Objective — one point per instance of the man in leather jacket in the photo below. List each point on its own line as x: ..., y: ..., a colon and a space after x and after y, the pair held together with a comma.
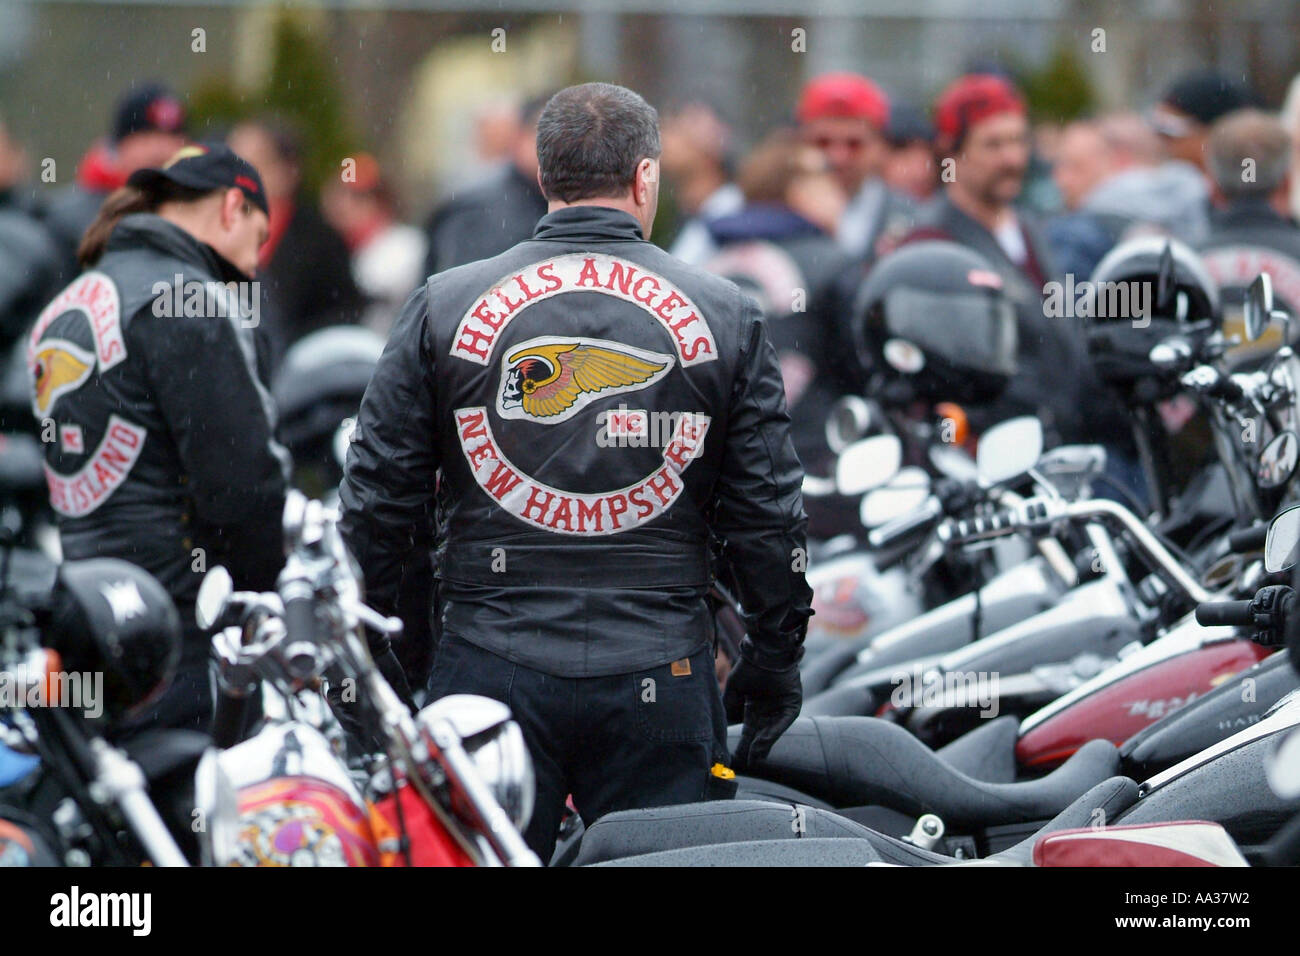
x: 1251, y: 230
x: 489, y: 217
x: 159, y: 446
x: 598, y: 413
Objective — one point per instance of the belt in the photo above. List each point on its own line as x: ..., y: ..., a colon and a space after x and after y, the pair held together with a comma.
x: 501, y: 563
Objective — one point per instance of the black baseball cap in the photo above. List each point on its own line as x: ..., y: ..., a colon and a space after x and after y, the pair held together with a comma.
x: 1205, y: 95
x: 149, y: 107
x: 207, y: 166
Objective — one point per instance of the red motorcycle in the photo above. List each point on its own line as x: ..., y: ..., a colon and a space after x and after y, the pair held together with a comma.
x: 451, y: 785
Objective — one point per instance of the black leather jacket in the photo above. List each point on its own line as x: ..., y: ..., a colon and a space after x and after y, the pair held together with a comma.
x: 161, y: 430
x: 575, y: 538
x: 1249, y: 237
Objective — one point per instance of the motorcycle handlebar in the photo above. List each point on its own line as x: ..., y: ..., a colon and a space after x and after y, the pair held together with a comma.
x: 981, y: 527
x: 892, y: 531
x: 1247, y: 540
x: 1039, y: 513
x: 1225, y: 614
x: 300, y: 618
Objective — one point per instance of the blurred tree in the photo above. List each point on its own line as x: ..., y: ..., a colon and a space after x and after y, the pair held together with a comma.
x: 215, y: 106
x: 301, y: 84
x: 1059, y: 90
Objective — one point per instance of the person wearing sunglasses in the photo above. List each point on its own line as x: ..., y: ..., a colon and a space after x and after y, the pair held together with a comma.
x: 845, y: 117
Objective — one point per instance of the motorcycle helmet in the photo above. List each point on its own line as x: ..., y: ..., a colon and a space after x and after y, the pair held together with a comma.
x: 318, y: 385
x: 1144, y: 291
x: 109, y: 616
x: 932, y: 322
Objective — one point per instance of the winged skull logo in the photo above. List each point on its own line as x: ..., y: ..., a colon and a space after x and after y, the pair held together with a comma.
x: 551, y: 379
x: 60, y: 367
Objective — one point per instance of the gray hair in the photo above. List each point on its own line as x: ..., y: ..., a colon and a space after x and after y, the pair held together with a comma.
x: 590, y: 139
x: 1252, y: 135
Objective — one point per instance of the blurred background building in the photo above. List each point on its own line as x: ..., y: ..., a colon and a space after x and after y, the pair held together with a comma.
x: 428, y: 85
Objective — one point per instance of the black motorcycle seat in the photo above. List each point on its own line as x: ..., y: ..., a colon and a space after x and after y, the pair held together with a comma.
x: 1102, y: 803
x: 818, y: 852
x: 633, y: 832
x: 723, y: 833
x: 858, y: 761
x: 986, y: 753
x: 756, y: 788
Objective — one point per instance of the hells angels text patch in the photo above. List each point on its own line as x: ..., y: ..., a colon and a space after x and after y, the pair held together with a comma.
x: 566, y: 512
x: 481, y: 326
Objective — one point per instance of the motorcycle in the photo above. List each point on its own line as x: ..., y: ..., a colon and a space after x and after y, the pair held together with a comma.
x: 75, y: 792
x: 375, y: 784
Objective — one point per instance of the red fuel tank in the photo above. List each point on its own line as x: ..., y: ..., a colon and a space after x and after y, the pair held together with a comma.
x: 1119, y: 710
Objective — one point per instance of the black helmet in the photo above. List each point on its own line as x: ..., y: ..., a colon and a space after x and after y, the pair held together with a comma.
x: 109, y: 616
x: 320, y: 383
x: 1144, y: 291
x: 932, y: 322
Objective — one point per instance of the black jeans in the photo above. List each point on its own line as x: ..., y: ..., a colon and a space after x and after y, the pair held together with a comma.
x: 624, y: 742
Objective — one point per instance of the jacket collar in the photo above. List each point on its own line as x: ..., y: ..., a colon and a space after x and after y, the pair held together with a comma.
x: 1248, y: 212
x: 589, y: 222
x: 146, y: 231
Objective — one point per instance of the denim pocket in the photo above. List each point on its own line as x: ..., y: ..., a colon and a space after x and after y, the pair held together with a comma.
x: 672, y: 701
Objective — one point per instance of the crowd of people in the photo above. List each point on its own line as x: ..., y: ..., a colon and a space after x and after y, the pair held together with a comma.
x: 803, y: 222
x: 799, y: 219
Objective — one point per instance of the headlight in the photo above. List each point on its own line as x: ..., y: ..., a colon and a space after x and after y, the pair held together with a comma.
x: 495, y: 745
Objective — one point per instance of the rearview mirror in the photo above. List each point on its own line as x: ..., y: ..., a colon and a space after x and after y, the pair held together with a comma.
x: 1258, y: 308
x: 904, y: 494
x: 1277, y: 461
x: 848, y: 420
x: 1283, y: 536
x: 868, y: 464
x: 214, y: 592
x: 1008, y: 450
x: 953, y: 461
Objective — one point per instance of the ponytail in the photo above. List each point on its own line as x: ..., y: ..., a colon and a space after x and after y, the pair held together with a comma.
x: 123, y: 202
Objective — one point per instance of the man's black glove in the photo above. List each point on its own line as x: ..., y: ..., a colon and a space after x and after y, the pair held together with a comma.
x: 767, y: 701
x: 348, y: 711
x: 388, y: 664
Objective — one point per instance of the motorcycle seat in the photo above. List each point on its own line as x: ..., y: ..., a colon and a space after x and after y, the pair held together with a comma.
x: 859, y: 761
x: 816, y: 852
x: 751, y: 833
x: 986, y: 753
x: 756, y: 788
x: 633, y: 832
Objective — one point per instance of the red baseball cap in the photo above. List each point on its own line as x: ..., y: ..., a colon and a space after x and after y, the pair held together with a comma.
x: 849, y: 95
x: 970, y: 99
